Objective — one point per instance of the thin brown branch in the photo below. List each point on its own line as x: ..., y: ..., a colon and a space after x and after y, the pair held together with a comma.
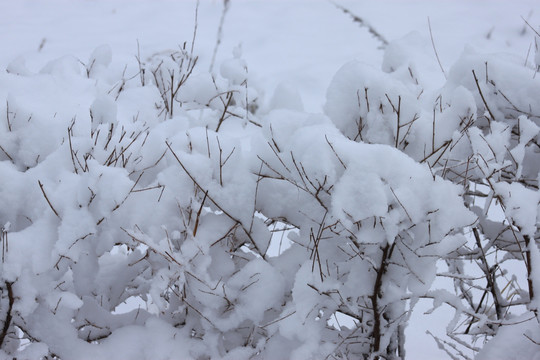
x: 5, y: 152
x: 488, y: 274
x: 222, y: 118
x: 530, y: 26
x: 7, y: 116
x: 335, y: 153
x: 435, y: 49
x: 246, y: 231
x: 482, y: 96
x: 48, y: 201
x: 196, y: 227
x: 399, y: 202
x: 9, y: 316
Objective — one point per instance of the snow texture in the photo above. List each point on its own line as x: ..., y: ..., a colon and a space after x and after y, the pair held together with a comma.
x: 145, y: 199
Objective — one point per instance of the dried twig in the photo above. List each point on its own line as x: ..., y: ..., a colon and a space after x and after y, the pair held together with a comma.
x: 483, y: 98
x: 7, y: 116
x: 435, y: 49
x: 5, y: 152
x: 530, y: 26
x: 196, y: 227
x: 219, y: 33
x: 363, y: 23
x: 246, y: 231
x: 9, y: 316
x: 48, y: 201
x: 335, y: 153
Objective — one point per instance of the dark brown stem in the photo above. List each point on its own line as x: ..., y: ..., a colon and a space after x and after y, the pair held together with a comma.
x: 482, y: 96
x: 5, y: 152
x: 199, y: 214
x: 48, y: 201
x: 7, y: 116
x: 7, y: 321
x: 226, y: 106
x: 377, y: 293
x: 71, y: 149
x: 529, y: 266
x: 398, y: 126
x: 489, y: 275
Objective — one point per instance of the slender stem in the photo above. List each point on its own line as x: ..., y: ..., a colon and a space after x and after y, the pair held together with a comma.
x: 529, y: 266
x: 489, y: 275
x: 7, y: 321
x: 377, y: 293
x: 482, y: 96
x: 48, y: 201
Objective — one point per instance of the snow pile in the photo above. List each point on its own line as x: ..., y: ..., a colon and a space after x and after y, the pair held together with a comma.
x: 166, y: 187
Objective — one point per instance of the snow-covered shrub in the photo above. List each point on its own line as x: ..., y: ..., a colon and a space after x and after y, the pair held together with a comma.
x: 153, y: 214
x: 480, y: 130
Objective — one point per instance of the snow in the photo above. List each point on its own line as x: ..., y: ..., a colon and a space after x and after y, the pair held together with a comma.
x: 521, y: 205
x: 517, y: 339
x: 297, y: 121
x: 369, y: 192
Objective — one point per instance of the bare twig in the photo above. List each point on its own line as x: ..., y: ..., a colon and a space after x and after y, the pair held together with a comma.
x: 48, y: 201
x: 246, y: 231
x: 195, y: 25
x: 5, y: 152
x: 4, y: 240
x: 531, y: 339
x: 196, y: 227
x: 335, y: 153
x: 488, y: 275
x: 219, y: 33
x: 140, y: 63
x: 279, y: 319
x: 9, y: 317
x: 7, y: 116
x: 363, y: 23
x: 72, y: 152
x: 482, y: 96
x: 223, y: 117
x: 530, y: 26
x: 399, y: 202
x: 435, y: 49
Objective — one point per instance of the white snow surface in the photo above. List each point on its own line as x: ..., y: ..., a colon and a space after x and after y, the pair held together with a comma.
x: 69, y: 74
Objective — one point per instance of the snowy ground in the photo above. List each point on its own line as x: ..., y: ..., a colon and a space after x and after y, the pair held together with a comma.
x: 299, y: 43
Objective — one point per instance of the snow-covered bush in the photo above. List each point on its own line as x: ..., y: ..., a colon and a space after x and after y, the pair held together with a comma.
x: 237, y: 234
x: 480, y: 131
